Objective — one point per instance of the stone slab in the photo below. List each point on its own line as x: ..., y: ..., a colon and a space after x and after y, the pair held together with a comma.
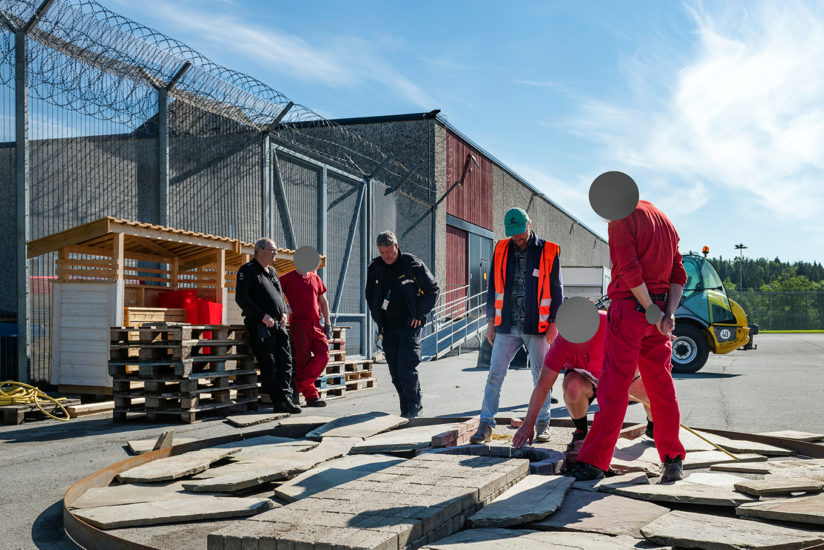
x: 246, y: 420
x: 802, y: 509
x: 692, y: 442
x: 263, y: 469
x: 183, y: 508
x: 175, y: 467
x: 682, y: 492
x: 743, y: 446
x: 533, y: 498
x: 402, y: 439
x: 128, y: 493
x: 358, y: 425
x: 523, y: 539
x: 705, y: 459
x: 333, y: 473
x: 268, y: 446
x: 715, y: 479
x: 760, y: 467
x: 691, y: 530
x: 142, y: 446
x: 773, y: 485
x: 608, y: 484
x: 635, y: 456
x: 603, y: 513
x: 428, y: 498
x: 795, y: 435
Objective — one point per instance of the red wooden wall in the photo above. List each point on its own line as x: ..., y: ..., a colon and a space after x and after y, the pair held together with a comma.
x: 457, y: 246
x: 472, y: 201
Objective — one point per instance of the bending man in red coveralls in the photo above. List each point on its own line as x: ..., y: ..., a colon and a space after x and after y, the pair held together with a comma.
x: 583, y: 363
x: 647, y: 281
x: 305, y: 293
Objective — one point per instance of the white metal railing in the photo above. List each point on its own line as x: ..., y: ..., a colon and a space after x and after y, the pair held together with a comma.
x: 454, y: 320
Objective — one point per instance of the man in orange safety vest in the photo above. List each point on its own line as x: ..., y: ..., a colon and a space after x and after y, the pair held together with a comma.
x: 525, y: 292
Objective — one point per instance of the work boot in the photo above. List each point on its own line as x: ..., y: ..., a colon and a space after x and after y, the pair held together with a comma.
x: 286, y: 406
x: 577, y: 435
x: 585, y: 472
x: 541, y: 432
x: 672, y: 470
x: 316, y: 402
x: 483, y: 434
x: 649, y: 432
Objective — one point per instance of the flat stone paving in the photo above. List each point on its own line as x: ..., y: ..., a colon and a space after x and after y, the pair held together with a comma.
x: 802, y: 510
x: 522, y: 539
x: 691, y: 530
x: 531, y: 499
x: 598, y: 512
x: 183, y: 507
x: 333, y: 473
x: 416, y: 502
x: 175, y: 467
x: 682, y: 492
x: 401, y: 439
x: 358, y: 425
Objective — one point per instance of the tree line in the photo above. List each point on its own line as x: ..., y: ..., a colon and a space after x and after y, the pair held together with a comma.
x: 766, y: 275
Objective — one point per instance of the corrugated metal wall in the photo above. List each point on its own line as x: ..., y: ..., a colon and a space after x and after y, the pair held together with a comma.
x: 471, y: 201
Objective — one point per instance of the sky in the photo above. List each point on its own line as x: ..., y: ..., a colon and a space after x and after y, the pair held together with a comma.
x: 715, y: 109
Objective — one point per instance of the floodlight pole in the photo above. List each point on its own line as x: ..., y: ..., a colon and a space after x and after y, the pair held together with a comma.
x: 741, y: 248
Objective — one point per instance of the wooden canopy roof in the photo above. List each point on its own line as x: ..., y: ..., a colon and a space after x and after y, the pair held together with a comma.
x: 155, y: 243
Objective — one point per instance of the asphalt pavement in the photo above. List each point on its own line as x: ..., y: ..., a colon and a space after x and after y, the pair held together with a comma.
x: 778, y: 386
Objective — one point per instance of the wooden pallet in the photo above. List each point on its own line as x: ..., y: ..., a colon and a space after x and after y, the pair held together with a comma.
x: 174, y: 333
x: 204, y: 365
x: 334, y: 367
x: 166, y: 351
x: 358, y: 365
x: 362, y: 384
x: 190, y: 415
x: 16, y: 414
x: 332, y: 392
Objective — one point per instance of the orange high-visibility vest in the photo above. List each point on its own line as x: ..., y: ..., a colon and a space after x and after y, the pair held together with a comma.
x: 544, y: 295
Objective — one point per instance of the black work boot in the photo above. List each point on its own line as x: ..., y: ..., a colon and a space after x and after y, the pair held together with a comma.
x: 577, y: 435
x: 649, y: 431
x: 673, y: 470
x: 483, y: 434
x: 585, y: 472
x: 286, y: 406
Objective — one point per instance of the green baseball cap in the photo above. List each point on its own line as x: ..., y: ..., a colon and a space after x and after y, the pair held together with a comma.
x: 515, y: 221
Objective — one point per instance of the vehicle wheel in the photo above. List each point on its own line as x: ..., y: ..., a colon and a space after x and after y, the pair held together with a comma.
x: 689, y: 350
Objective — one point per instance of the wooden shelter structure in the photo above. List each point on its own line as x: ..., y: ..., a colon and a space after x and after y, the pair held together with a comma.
x: 109, y: 271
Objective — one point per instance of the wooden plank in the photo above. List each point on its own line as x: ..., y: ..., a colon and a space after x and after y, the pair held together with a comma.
x: 90, y: 408
x: 89, y: 390
x: 70, y: 262
x: 100, y: 274
x: 117, y: 255
x: 68, y: 237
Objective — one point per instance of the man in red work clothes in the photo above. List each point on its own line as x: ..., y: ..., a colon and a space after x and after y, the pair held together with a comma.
x: 583, y: 362
x: 305, y: 292
x: 647, y: 281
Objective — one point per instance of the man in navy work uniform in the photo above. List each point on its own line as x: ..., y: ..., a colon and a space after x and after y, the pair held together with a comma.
x: 260, y: 296
x: 401, y: 291
x: 525, y: 292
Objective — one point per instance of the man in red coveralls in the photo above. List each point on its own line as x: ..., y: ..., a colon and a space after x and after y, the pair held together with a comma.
x: 583, y: 363
x: 647, y: 281
x: 305, y: 292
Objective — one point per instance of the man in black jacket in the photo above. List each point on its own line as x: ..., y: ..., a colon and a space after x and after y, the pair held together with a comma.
x: 401, y: 291
x: 260, y: 296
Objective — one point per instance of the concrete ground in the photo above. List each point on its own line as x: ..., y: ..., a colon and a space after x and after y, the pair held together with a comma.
x: 775, y: 387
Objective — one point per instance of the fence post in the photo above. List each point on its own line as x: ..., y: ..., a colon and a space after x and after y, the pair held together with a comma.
x: 21, y: 127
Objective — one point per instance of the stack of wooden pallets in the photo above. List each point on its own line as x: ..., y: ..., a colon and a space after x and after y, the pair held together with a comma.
x: 181, y: 371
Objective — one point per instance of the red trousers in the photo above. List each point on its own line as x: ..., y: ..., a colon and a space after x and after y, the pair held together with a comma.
x: 631, y: 341
x: 311, y: 356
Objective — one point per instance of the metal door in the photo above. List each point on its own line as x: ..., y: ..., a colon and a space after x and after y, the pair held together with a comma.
x: 480, y: 256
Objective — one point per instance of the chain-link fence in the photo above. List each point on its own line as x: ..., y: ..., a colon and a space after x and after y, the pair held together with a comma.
x: 782, y: 310
x: 123, y: 121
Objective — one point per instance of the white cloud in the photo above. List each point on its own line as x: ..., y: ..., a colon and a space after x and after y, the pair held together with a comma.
x: 349, y: 62
x: 744, y: 114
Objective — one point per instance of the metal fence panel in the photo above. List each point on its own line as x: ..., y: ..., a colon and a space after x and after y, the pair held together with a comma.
x: 782, y: 310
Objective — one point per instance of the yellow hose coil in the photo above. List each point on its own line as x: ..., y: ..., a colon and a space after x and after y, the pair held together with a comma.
x: 18, y: 393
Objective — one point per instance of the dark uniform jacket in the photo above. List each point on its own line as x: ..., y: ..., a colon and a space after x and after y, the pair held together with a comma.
x: 420, y: 295
x: 258, y: 292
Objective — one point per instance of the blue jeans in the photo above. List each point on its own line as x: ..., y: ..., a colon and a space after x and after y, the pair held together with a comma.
x: 503, y: 351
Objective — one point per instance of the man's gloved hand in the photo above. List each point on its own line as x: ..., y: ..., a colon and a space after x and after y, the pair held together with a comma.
x: 327, y: 330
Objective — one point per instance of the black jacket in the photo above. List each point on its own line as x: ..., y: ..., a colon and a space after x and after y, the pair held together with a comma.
x: 258, y: 292
x: 420, y: 296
